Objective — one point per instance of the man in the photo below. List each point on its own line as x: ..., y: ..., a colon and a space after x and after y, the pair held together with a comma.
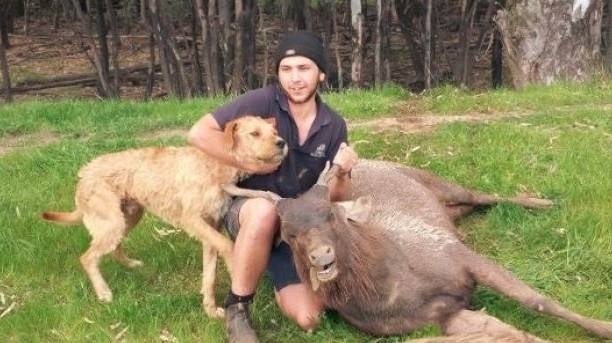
x: 315, y: 134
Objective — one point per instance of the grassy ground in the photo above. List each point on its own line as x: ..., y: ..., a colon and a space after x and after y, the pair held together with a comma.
x: 562, y: 150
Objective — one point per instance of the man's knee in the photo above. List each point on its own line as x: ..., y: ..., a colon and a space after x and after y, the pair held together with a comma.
x: 258, y: 218
x: 308, y: 320
x: 299, y: 304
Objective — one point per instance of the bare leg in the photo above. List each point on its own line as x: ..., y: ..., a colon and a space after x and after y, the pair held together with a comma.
x: 258, y: 225
x: 299, y: 303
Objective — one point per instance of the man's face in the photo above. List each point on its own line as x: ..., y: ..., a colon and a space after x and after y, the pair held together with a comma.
x: 299, y: 77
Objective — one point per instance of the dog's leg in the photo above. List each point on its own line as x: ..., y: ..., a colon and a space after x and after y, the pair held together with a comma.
x: 132, y: 212
x: 235, y: 191
x: 204, y: 232
x: 106, y: 224
x: 209, y: 274
x: 122, y: 258
x: 100, y: 246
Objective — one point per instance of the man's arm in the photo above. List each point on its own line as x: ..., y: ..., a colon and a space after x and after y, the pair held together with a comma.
x: 206, y: 134
x: 340, y: 184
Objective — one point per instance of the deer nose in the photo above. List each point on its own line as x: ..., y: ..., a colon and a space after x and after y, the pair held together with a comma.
x: 322, y: 255
x: 280, y: 143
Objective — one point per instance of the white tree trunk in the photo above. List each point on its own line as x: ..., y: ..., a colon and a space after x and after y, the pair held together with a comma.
x: 357, y: 23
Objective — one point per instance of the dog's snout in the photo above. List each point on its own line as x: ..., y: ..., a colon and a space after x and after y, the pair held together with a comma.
x: 280, y: 143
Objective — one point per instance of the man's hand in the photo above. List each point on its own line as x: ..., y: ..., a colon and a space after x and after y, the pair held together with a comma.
x: 345, y: 158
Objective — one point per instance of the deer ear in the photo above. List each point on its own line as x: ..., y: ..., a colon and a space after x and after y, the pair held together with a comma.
x: 282, y: 206
x: 229, y: 133
x: 271, y: 120
x: 360, y: 211
x: 317, y: 192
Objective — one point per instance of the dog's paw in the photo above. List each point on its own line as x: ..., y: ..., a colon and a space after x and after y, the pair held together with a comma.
x: 273, y: 196
x: 134, y: 263
x: 105, y: 295
x: 215, y: 312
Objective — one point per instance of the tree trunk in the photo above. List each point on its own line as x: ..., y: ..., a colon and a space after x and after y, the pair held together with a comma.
x: 410, y: 15
x: 102, y: 34
x: 116, y: 45
x: 207, y: 60
x: 284, y: 14
x: 427, y: 45
x: 542, y: 45
x: 6, y: 79
x: 250, y: 38
x: 241, y: 28
x: 151, y: 70
x: 337, y: 46
x: 357, y: 39
x: 99, y: 63
x: 264, y: 33
x: 609, y: 38
x: 5, y: 16
x: 194, y: 52
x: 226, y: 40
x: 216, y: 62
x: 381, y: 51
x: 26, y: 17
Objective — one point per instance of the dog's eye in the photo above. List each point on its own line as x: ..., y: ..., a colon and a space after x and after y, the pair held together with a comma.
x: 255, y: 133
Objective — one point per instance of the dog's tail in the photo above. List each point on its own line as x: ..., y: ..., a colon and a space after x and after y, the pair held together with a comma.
x: 67, y: 218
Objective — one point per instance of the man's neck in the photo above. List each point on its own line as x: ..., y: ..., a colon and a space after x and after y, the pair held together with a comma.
x: 303, y: 111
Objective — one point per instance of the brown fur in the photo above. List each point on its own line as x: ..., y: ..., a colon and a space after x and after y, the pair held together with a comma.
x: 406, y: 244
x: 181, y: 185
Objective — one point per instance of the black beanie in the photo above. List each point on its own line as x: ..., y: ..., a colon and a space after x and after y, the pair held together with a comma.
x: 302, y: 43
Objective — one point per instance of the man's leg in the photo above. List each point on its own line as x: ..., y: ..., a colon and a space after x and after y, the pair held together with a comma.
x: 299, y: 303
x: 258, y: 226
x: 253, y: 223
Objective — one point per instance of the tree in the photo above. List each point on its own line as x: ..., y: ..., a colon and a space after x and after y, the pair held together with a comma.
x: 6, y: 79
x: 542, y: 44
x: 382, y: 66
x: 357, y: 19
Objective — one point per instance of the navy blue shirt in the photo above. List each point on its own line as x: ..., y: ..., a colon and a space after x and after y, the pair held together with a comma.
x: 301, y: 168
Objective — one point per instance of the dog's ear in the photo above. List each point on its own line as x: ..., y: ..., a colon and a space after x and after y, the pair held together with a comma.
x: 271, y: 120
x: 229, y: 132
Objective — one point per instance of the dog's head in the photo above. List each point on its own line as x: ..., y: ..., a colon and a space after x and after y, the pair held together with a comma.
x: 255, y: 140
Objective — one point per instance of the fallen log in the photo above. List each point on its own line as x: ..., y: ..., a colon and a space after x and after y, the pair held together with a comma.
x: 84, y: 80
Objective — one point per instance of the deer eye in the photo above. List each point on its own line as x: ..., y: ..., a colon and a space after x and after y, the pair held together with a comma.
x: 255, y: 134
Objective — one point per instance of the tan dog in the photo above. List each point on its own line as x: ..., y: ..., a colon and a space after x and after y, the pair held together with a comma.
x: 181, y: 185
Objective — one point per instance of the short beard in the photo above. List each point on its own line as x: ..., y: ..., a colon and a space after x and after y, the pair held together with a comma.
x: 310, y: 96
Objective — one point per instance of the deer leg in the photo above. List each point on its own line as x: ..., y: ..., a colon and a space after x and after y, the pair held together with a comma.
x: 500, y: 279
x: 461, y: 201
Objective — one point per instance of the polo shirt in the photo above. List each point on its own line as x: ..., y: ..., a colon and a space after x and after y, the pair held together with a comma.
x: 300, y: 170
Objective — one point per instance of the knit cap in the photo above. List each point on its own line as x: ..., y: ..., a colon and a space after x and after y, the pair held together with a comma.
x: 302, y: 43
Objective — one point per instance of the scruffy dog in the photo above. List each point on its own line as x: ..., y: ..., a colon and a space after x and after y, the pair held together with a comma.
x: 181, y: 185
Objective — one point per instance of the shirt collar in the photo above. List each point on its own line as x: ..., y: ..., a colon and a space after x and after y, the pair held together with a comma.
x: 323, y: 114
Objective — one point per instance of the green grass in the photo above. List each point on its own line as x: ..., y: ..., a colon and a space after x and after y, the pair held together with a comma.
x: 561, y: 151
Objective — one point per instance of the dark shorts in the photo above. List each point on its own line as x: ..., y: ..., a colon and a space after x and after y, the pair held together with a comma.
x: 281, y: 269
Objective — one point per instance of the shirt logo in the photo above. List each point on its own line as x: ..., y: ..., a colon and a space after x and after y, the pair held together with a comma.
x: 319, y: 152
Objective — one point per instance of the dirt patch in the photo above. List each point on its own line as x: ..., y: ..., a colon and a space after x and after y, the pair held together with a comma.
x: 13, y: 142
x: 414, y: 123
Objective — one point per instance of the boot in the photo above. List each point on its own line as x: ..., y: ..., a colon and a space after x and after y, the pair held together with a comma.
x: 238, y: 323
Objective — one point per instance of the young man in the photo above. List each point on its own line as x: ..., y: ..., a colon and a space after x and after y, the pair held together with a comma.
x: 315, y: 134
